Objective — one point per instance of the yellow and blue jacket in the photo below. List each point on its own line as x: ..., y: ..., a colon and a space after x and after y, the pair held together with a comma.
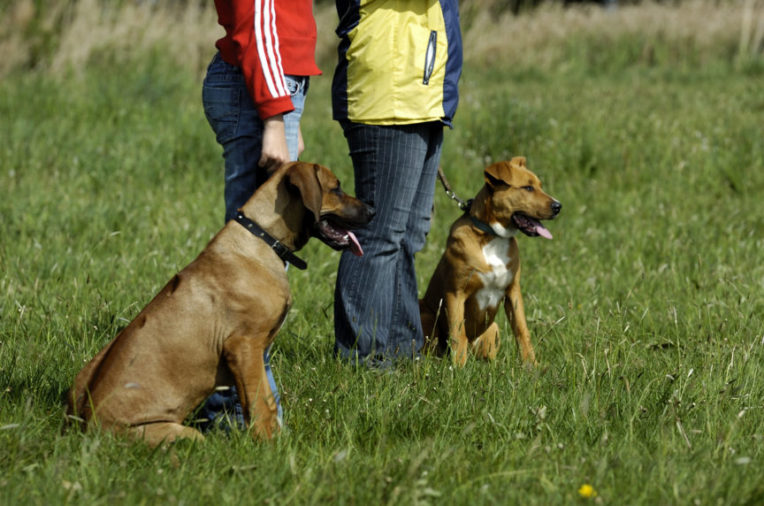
x: 399, y: 61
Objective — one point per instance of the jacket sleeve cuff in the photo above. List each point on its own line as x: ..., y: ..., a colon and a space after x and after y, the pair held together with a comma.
x: 280, y: 105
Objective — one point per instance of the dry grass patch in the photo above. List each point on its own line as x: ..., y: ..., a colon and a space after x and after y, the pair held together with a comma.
x: 59, y: 35
x: 542, y: 37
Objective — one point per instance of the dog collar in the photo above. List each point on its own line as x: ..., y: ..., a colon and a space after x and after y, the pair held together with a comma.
x: 485, y: 227
x: 282, y: 251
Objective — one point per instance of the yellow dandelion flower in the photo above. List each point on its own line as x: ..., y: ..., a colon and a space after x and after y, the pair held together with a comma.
x: 587, y: 491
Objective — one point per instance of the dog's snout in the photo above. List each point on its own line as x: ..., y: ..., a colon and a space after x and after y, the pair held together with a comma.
x: 556, y: 207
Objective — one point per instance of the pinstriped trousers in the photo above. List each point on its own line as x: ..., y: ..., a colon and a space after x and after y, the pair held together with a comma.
x: 376, y: 307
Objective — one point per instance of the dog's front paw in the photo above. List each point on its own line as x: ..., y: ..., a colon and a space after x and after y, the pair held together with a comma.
x: 486, y: 346
x: 459, y: 349
x: 529, y: 360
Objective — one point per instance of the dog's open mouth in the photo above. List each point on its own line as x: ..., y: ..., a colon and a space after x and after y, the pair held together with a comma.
x: 338, y: 237
x: 530, y: 226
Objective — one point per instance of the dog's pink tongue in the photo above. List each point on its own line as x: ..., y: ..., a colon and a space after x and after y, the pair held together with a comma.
x: 543, y: 232
x: 355, y: 246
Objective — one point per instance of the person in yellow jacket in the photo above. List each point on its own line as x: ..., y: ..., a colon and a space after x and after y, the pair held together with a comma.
x: 394, y: 88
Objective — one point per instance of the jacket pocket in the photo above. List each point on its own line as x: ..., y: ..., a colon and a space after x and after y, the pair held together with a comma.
x: 429, y: 57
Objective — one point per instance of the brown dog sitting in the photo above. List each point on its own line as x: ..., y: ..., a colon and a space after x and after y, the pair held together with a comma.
x: 211, y: 324
x: 481, y: 266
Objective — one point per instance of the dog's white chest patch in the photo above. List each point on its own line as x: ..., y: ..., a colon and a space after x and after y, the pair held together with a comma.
x: 495, y: 281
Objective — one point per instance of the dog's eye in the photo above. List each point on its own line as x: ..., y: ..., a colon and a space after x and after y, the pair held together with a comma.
x: 528, y: 188
x: 337, y: 191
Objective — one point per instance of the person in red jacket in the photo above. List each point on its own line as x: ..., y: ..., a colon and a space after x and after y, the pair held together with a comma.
x: 253, y: 95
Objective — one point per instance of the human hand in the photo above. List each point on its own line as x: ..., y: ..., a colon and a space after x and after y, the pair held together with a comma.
x: 274, y: 151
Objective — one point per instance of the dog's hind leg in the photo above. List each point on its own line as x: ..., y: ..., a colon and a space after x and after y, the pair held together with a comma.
x: 78, y: 400
x: 247, y: 363
x: 486, y: 346
x: 163, y: 432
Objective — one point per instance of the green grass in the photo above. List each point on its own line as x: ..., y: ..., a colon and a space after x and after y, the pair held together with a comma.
x: 646, y: 309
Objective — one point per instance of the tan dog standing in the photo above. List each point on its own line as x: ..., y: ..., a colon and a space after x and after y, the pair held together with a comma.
x: 480, y: 268
x: 211, y: 324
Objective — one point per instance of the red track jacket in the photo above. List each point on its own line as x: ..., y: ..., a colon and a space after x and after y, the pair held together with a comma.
x: 267, y: 39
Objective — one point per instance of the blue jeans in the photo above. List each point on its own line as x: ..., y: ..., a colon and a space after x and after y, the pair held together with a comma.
x: 376, y: 306
x: 238, y: 128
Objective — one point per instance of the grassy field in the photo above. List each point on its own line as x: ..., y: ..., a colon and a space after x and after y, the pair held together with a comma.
x: 646, y: 310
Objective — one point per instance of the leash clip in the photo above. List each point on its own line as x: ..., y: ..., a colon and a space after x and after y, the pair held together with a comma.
x: 464, y: 206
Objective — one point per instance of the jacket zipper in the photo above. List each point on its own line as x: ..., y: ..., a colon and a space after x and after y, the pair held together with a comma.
x: 429, y: 57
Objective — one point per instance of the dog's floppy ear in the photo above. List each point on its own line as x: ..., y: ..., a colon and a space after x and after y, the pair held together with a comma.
x: 304, y: 176
x: 492, y: 181
x: 492, y: 178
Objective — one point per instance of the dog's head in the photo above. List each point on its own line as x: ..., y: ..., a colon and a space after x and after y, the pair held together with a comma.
x: 331, y: 214
x: 517, y: 201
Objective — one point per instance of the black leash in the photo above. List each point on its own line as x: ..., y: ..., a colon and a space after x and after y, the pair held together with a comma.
x: 464, y: 206
x: 282, y: 251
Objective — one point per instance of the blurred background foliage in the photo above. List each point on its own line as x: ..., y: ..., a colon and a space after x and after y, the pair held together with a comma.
x: 62, y: 35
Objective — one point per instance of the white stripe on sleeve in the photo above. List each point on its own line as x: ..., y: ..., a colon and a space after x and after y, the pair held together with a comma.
x: 279, y: 73
x: 265, y: 34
